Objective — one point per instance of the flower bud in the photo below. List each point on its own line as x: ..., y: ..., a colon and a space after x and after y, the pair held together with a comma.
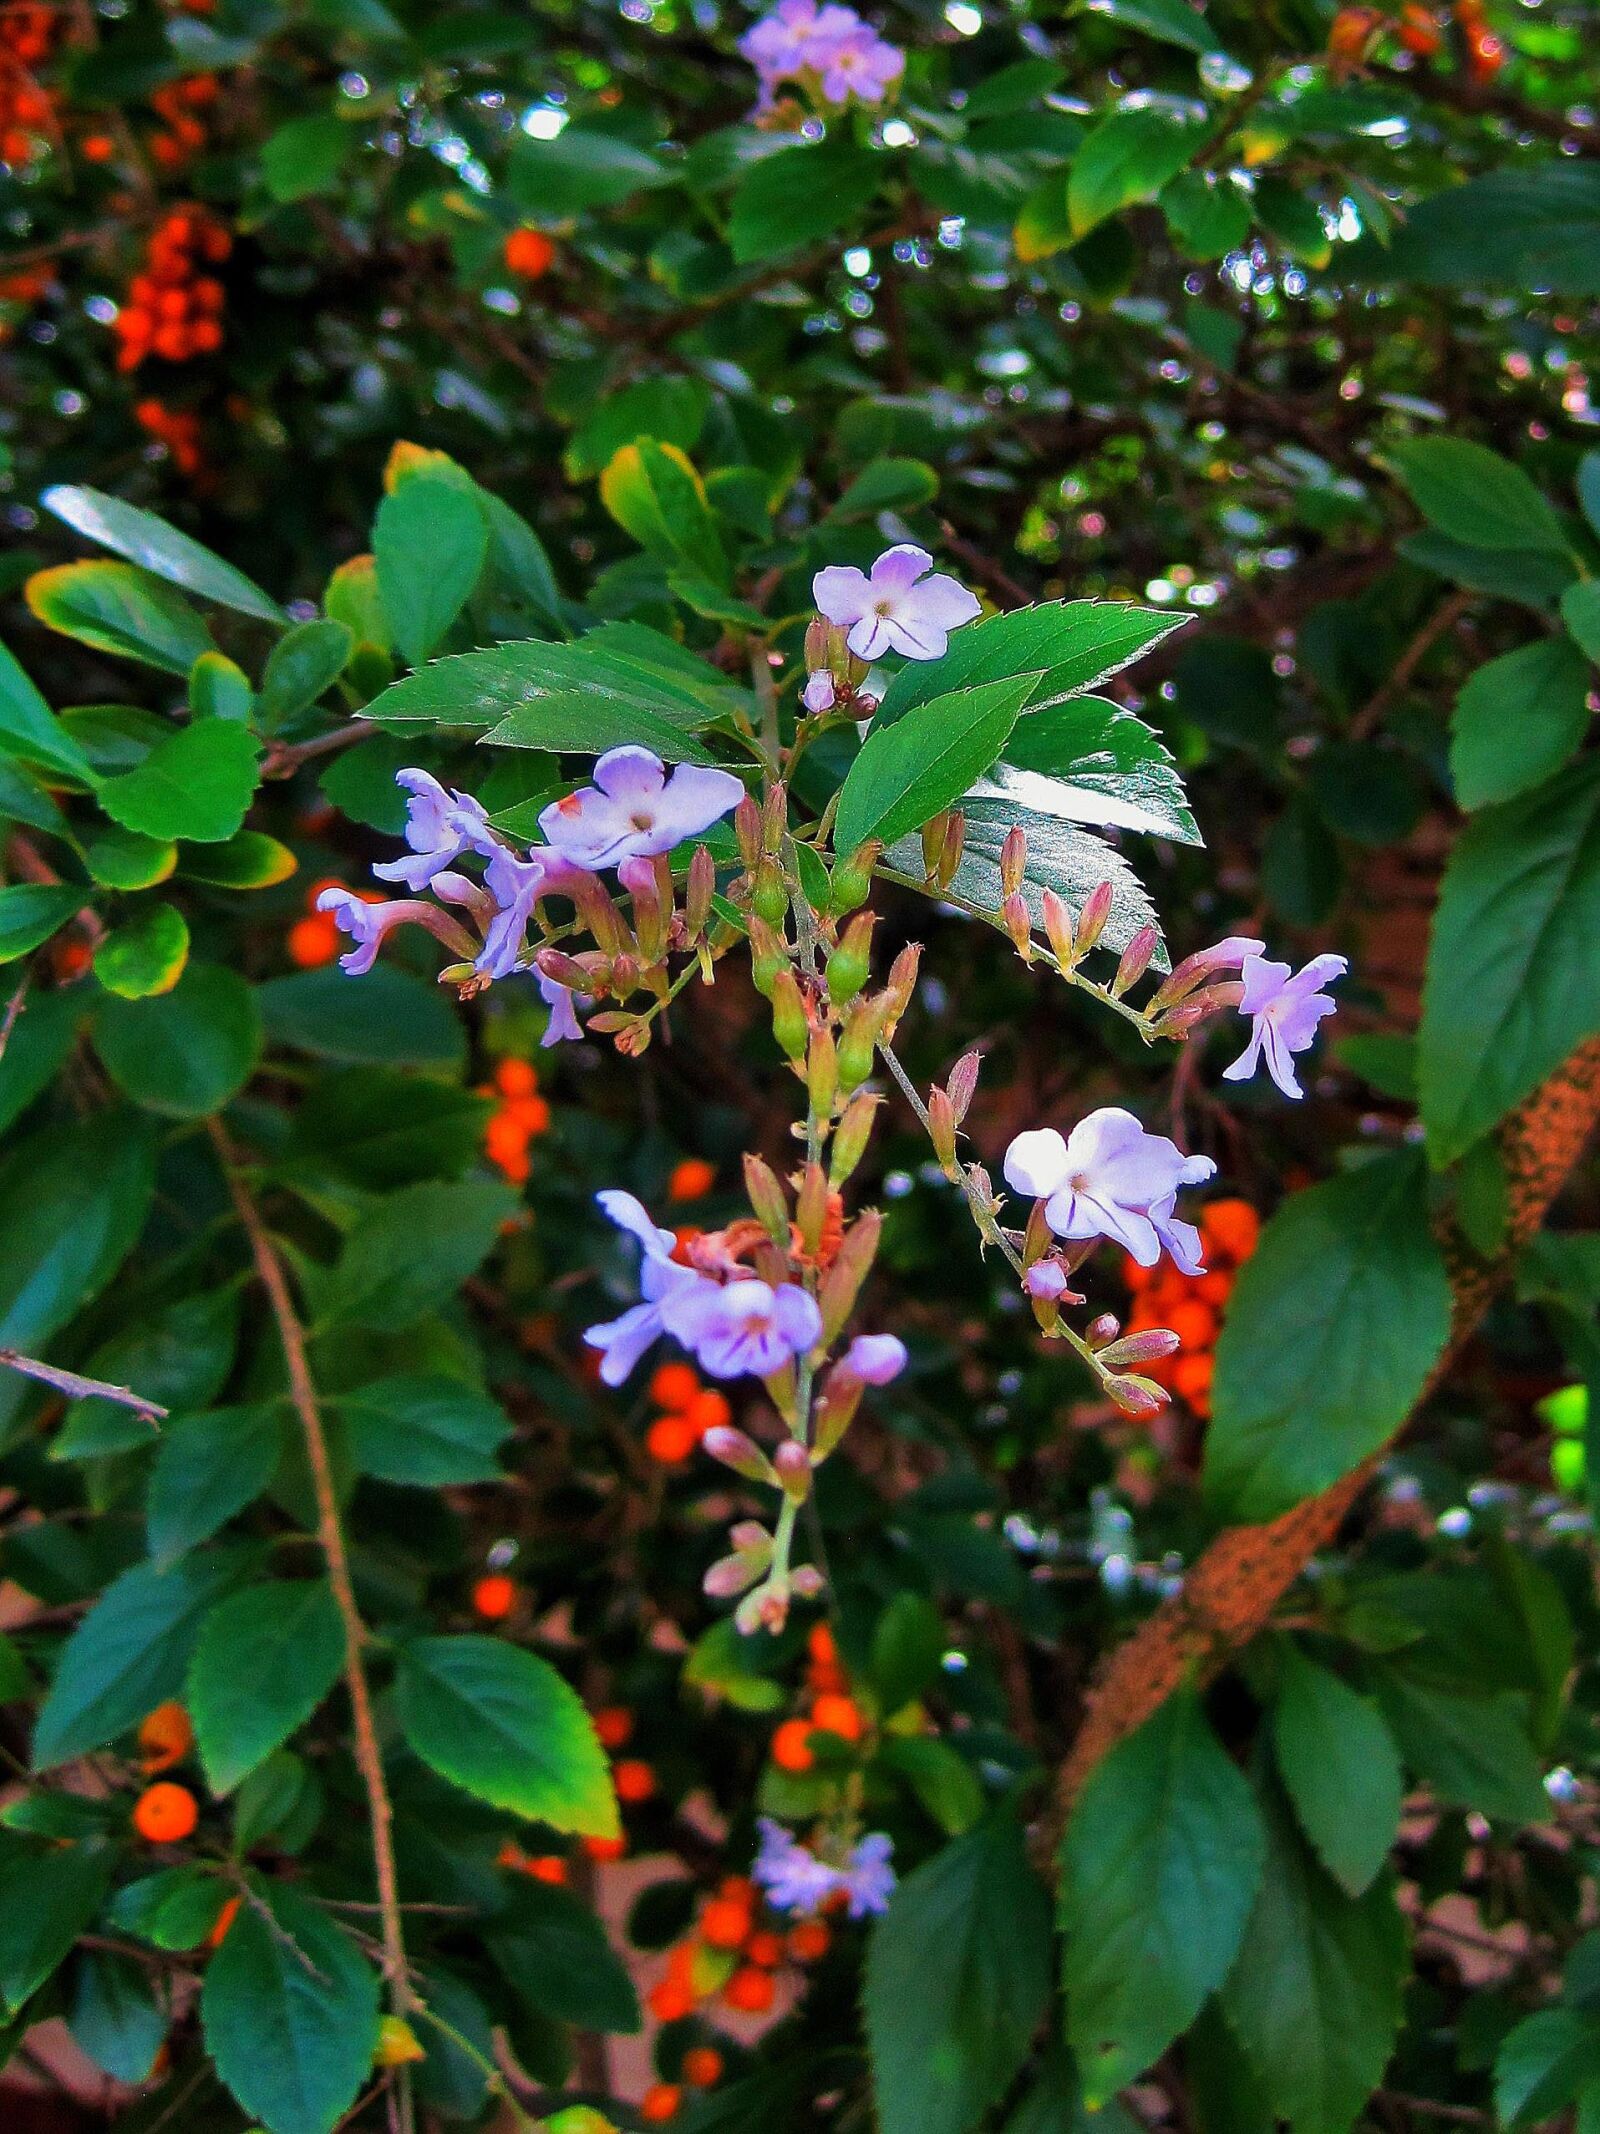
x: 858, y: 1044
x: 1019, y: 925
x: 1058, y: 928
x: 933, y: 837
x: 1140, y: 1398
x: 741, y: 1453
x: 767, y: 1198
x: 955, y: 838
x: 564, y: 970
x: 819, y: 646
x: 850, y: 964
x: 1038, y: 1236
x: 791, y: 1025
x: 774, y: 819
x: 1013, y: 859
x: 811, y: 1208
x: 600, y: 915
x: 963, y: 1084
x: 841, y: 1285
x: 793, y: 1463
x: 902, y: 983
x: 624, y: 975
x: 1046, y: 1282
x: 702, y: 888
x: 747, y: 830
x: 852, y: 878
x: 730, y: 1575
x: 767, y: 1608
x: 650, y: 910
x: 834, y: 1412
x: 1135, y: 960
x: 769, y: 954
x: 806, y: 1581
x: 942, y: 1130
x: 822, y: 1072
x: 820, y: 695
x: 1100, y: 1331
x: 851, y: 1135
x: 1146, y: 1347
x: 1092, y: 919
x: 769, y: 895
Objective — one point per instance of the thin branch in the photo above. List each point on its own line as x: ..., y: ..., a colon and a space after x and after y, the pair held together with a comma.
x: 1439, y: 624
x: 330, y: 1535
x: 77, y: 1387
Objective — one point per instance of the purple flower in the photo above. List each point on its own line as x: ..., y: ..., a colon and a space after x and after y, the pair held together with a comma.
x: 1111, y: 1179
x: 367, y: 924
x: 794, y: 1879
x: 796, y: 35
x: 899, y: 608
x: 869, y: 1878
x: 1046, y: 1280
x: 875, y: 1358
x: 514, y: 885
x: 819, y: 694
x: 865, y: 66
x: 563, y: 1026
x: 662, y: 1281
x: 634, y: 809
x: 746, y: 1329
x: 440, y: 826
x: 1284, y: 1012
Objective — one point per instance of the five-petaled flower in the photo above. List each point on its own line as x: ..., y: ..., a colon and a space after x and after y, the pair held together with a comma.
x: 746, y: 1328
x: 903, y: 606
x: 622, y: 1341
x: 440, y: 826
x: 1111, y: 1179
x: 1284, y: 1012
x: 831, y: 43
x: 635, y: 810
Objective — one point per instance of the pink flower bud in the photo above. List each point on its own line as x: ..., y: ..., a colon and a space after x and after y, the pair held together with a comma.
x: 1092, y: 919
x: 1139, y: 1398
x: 1140, y: 1348
x: 1046, y: 1281
x: 741, y: 1453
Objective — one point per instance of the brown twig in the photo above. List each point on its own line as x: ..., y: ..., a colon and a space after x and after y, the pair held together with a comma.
x: 1439, y: 624
x: 330, y: 1535
x: 1232, y: 1590
x: 77, y: 1387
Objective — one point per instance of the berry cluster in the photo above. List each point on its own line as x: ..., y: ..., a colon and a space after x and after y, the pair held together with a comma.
x: 27, y: 115
x: 1421, y: 30
x: 179, y: 430
x: 175, y: 104
x: 830, y: 1708
x: 1190, y: 1306
x: 733, y: 1953
x: 688, y: 1410
x: 520, y: 1116
x: 174, y: 310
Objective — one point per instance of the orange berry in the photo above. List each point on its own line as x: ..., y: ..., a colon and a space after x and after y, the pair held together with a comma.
x: 808, y: 1942
x: 749, y: 1990
x: 165, y: 1736
x: 1191, y: 1377
x: 1213, y: 1288
x: 791, y: 1746
x: 834, y: 1714
x: 765, y: 1949
x: 1231, y: 1227
x: 164, y: 1813
x: 670, y: 1439
x: 603, y: 1850
x: 702, y: 2065
x: 674, y: 1385
x: 725, y: 1923
x: 206, y: 337
x: 634, y: 1779
x: 692, y: 1179
x: 671, y: 2001
x: 531, y: 1114
x: 97, y: 148
x: 709, y: 1410
x: 494, y: 1597
x: 516, y: 1078
x: 503, y: 1140
x: 613, y: 1723
x: 547, y: 1867
x: 529, y: 253
x: 662, y: 2100
x: 821, y: 1644
x: 1194, y: 1323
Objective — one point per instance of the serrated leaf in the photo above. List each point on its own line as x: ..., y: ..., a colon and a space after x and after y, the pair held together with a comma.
x: 798, y: 196
x: 1074, y: 644
x: 116, y: 2015
x: 1545, y: 2063
x: 197, y: 784
x: 116, y: 608
x: 46, y: 1901
x: 265, y: 1659
x: 1517, y: 720
x: 208, y: 1468
x: 1474, y: 495
x: 1341, y: 1768
x: 1474, y: 1751
x: 142, y: 538
x: 554, y: 1954
x: 409, y: 1250
x: 910, y: 771
x: 1089, y: 761
x: 428, y: 1432
x: 1128, y: 157
x: 304, y: 663
x: 503, y: 1725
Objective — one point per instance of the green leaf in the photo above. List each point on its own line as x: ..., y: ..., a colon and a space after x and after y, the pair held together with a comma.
x: 265, y: 1659
x: 304, y: 663
x: 196, y: 784
x: 908, y: 1642
x: 1529, y: 226
x: 1341, y: 1768
x: 30, y: 912
x: 251, y: 860
x: 887, y: 484
x: 1128, y: 157
x: 127, y: 1655
x: 503, y: 1725
x: 1075, y: 644
x: 671, y: 410
x: 800, y: 196
x: 1473, y: 495
x: 116, y: 608
x: 41, y: 1037
x: 142, y: 538
x: 208, y: 1469
x: 73, y: 1200
x: 146, y: 956
x: 1544, y: 2064
x: 430, y: 538
x: 431, y: 1432
x: 581, y: 168
x: 1580, y: 611
x: 554, y: 1954
x: 220, y: 689
x: 116, y: 2015
x: 1474, y: 1751
x: 585, y: 697
x: 411, y: 1249
x: 1293, y: 220
x: 939, y: 1776
x: 177, y: 1356
x: 1333, y: 1327
x: 655, y: 495
x: 1172, y: 21
x: 383, y: 1128
x: 957, y: 1980
x: 185, y: 1053
x: 1315, y: 1996
x: 388, y: 1018
x: 306, y: 156
x: 125, y: 859
x: 1092, y: 762
x: 1508, y: 992
x: 175, y: 1908
x: 1206, y: 212
x: 290, y: 2013
x: 1518, y: 720
x: 924, y: 763
x: 1159, y: 1870
x: 30, y: 730
x: 46, y: 1901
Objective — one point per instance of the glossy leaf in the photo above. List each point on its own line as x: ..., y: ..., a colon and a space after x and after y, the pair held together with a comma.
x: 265, y: 1659
x: 143, y: 538
x: 186, y: 1052
x: 912, y: 770
x: 116, y: 608
x: 196, y: 784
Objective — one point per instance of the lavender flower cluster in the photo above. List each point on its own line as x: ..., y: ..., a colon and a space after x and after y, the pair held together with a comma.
x: 828, y: 51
